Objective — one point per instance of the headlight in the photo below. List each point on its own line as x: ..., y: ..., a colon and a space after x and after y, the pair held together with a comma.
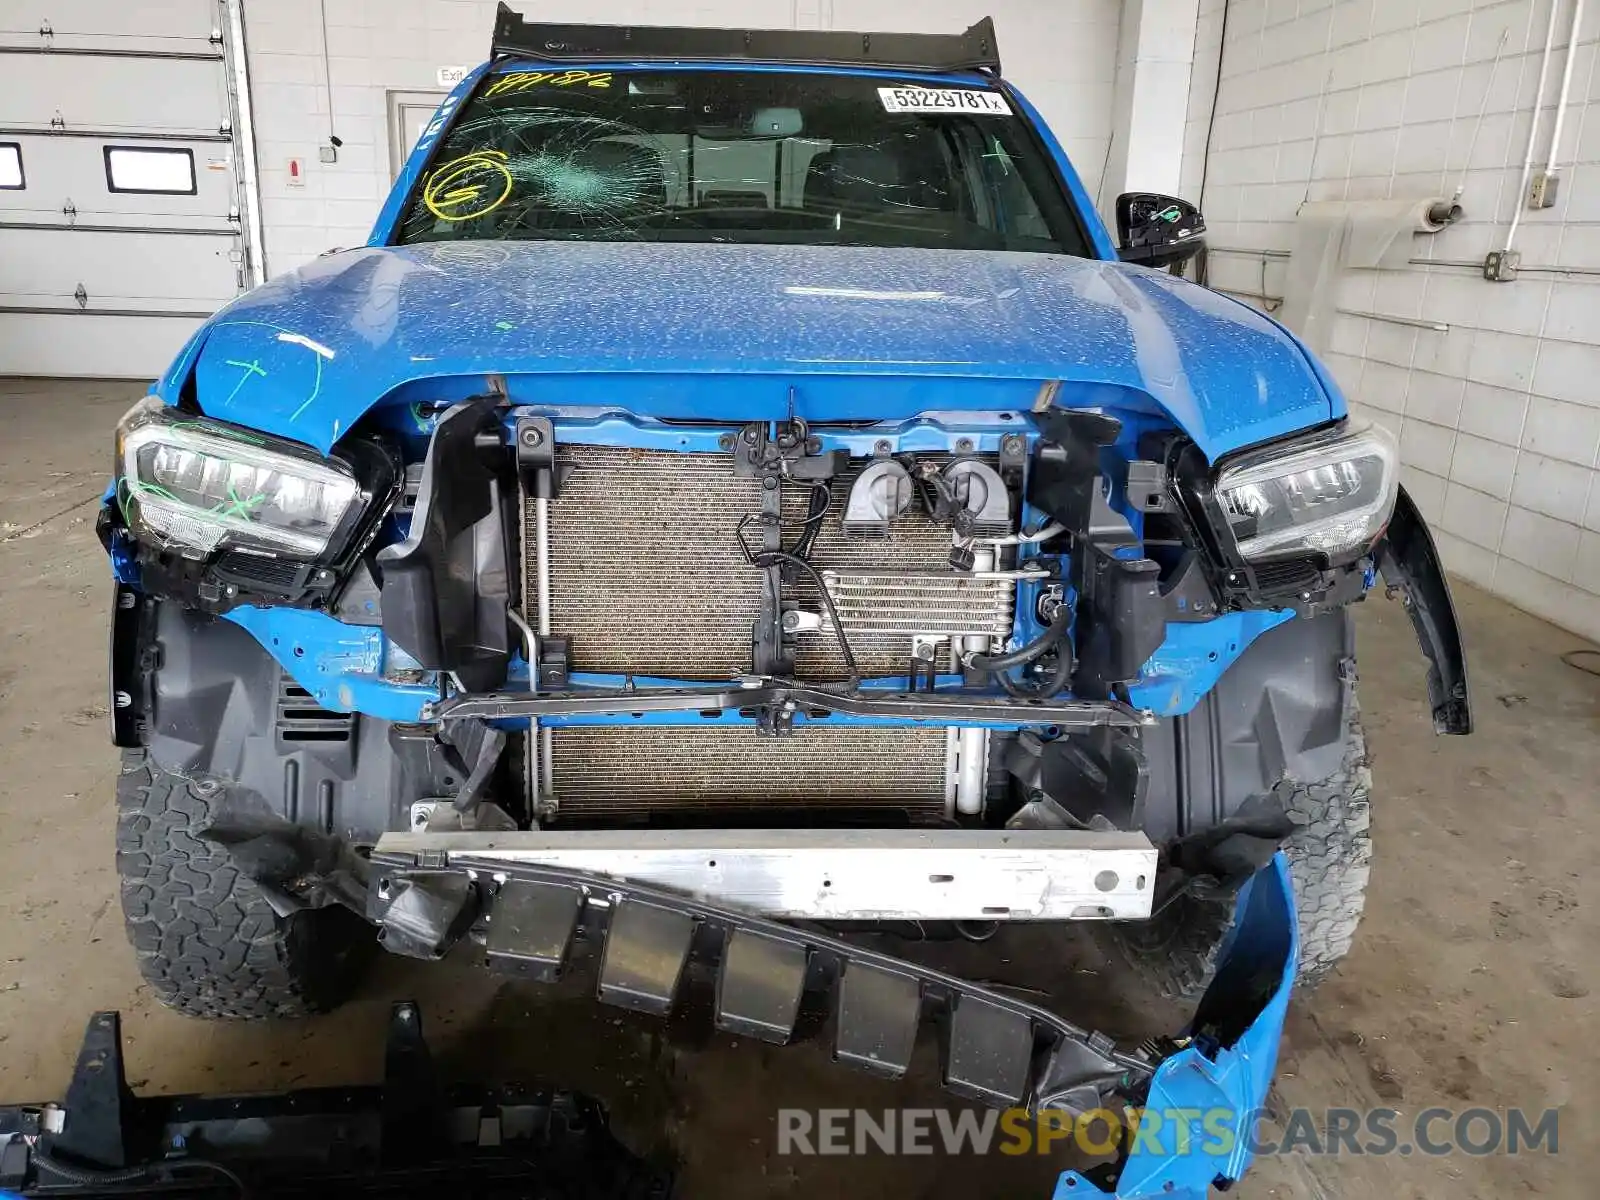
x: 1332, y: 493
x: 195, y: 486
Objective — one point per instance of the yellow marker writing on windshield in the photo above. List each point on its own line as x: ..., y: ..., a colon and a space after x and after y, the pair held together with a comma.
x: 470, y: 186
x: 521, y: 81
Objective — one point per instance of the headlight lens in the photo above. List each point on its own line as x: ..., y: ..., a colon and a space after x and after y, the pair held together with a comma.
x: 1331, y: 494
x: 196, y: 486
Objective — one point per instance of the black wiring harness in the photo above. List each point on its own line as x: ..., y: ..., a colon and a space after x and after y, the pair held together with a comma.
x: 797, y: 558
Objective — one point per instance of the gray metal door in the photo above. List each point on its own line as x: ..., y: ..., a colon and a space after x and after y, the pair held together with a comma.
x: 409, y: 114
x: 120, y: 184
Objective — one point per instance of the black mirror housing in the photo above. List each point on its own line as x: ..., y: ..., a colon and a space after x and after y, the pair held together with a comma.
x: 1157, y: 231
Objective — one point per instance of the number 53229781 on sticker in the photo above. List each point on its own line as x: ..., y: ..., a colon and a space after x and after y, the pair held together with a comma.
x: 943, y: 100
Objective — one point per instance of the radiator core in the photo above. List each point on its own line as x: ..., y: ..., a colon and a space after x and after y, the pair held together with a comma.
x: 646, y: 577
x: 616, y: 772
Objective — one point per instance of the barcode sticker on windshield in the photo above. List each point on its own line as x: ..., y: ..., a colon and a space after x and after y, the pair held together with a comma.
x: 942, y: 100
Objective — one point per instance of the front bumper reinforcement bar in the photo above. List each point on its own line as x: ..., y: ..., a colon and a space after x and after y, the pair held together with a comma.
x: 844, y: 875
x: 768, y: 694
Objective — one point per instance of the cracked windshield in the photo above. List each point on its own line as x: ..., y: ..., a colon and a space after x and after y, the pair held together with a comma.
x: 731, y: 156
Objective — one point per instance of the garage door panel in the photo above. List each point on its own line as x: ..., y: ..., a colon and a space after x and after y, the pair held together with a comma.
x: 60, y: 170
x: 73, y: 21
x: 109, y: 261
x: 184, y: 272
x: 112, y: 93
x: 90, y: 345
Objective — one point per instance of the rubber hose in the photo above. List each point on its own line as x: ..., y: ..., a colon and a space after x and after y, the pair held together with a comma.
x: 87, y: 1176
x: 1053, y: 684
x: 1022, y: 655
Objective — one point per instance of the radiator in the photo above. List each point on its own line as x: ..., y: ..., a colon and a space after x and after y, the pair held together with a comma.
x: 646, y: 574
x: 646, y: 577
x: 622, y: 772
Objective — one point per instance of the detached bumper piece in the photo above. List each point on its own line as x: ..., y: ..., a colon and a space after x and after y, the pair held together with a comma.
x: 1199, y: 1114
x: 769, y: 980
x: 405, y: 1137
x: 651, y: 949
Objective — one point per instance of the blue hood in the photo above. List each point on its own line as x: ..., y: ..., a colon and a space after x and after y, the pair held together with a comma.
x: 305, y: 355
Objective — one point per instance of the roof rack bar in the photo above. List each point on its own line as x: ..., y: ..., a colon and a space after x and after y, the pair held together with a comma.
x: 973, y: 50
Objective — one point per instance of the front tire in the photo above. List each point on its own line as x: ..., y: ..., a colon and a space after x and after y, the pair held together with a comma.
x: 1330, y: 859
x: 207, y: 941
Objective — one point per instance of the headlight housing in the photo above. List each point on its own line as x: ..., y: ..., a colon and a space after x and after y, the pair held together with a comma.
x: 1331, y: 494
x: 196, y: 486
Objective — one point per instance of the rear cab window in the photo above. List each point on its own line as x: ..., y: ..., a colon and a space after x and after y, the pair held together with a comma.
x: 759, y: 156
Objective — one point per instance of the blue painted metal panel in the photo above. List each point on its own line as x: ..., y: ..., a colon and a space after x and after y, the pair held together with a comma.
x: 341, y: 665
x: 852, y: 333
x: 1194, y: 657
x: 1226, y: 1087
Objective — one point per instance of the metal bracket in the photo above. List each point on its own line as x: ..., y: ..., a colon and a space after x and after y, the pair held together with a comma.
x: 536, y: 457
x: 410, y: 1089
x: 997, y: 1049
x: 791, y: 452
x: 924, y: 665
x: 948, y: 707
x: 1013, y: 457
x: 97, y: 1099
x: 422, y: 913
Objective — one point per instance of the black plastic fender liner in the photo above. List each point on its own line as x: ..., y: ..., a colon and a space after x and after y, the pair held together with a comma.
x: 446, y: 588
x: 208, y: 701
x: 134, y: 660
x: 1276, y: 713
x: 1409, y: 562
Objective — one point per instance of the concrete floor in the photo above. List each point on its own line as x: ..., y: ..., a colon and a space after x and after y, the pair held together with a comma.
x: 1473, y: 981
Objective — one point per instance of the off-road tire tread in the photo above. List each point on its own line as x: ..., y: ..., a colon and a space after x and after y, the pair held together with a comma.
x: 1330, y: 855
x: 1330, y: 859
x: 207, y: 941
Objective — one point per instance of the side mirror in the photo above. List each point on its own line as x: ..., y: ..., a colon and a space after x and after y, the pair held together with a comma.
x: 1157, y: 231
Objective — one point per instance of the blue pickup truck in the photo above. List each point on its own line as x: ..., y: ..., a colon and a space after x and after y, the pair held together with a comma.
x: 742, y: 496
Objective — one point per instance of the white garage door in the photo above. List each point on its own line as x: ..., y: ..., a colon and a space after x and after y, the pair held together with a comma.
x: 119, y: 198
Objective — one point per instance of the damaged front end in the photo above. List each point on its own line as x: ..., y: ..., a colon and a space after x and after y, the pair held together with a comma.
x: 935, y: 632
x: 692, y: 702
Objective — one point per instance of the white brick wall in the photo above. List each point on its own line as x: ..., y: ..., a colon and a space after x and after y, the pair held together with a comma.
x: 1498, y: 418
x: 1062, y: 55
